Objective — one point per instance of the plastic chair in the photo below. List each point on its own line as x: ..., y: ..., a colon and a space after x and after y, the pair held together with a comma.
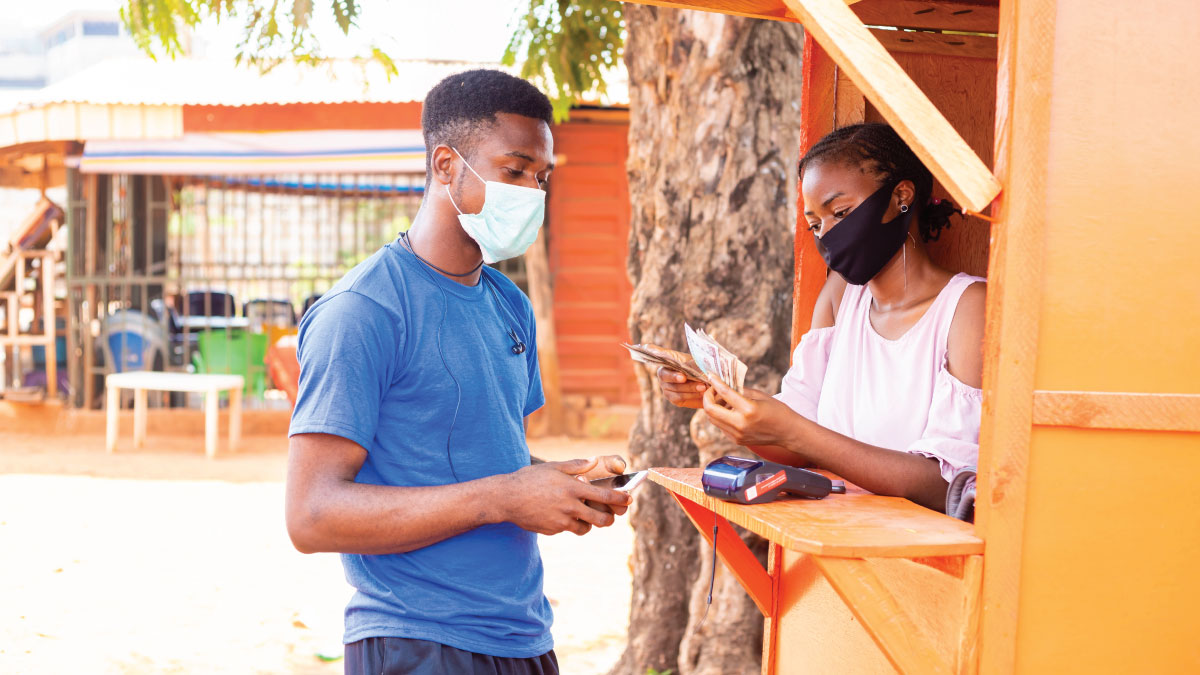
x: 262, y: 312
x: 219, y: 303
x: 238, y: 353
x: 131, y: 340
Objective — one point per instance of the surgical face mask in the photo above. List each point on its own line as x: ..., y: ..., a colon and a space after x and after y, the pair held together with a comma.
x: 509, y: 221
x: 862, y: 243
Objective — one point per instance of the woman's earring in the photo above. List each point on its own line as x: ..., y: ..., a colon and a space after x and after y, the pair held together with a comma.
x: 904, y: 208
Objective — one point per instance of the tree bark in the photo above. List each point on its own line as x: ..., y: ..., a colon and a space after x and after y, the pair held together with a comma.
x: 713, y: 149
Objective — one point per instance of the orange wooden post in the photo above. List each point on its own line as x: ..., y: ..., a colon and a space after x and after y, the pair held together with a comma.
x: 817, y: 118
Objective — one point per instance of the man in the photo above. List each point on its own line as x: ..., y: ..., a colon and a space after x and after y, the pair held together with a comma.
x: 408, y: 451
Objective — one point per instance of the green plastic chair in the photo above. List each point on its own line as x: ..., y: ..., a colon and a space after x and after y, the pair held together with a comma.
x: 238, y: 354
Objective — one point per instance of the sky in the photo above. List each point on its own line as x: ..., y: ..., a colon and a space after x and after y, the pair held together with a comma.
x: 467, y: 30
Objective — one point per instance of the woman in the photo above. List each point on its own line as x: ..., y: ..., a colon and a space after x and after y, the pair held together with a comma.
x: 884, y: 388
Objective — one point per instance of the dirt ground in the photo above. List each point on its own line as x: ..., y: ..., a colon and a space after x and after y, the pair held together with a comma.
x: 160, y: 561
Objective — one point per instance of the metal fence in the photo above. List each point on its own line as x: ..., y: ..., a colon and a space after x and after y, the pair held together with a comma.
x: 167, y: 273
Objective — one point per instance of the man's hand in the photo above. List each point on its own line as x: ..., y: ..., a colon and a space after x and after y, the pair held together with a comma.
x: 750, y: 419
x: 548, y: 498
x: 606, y: 465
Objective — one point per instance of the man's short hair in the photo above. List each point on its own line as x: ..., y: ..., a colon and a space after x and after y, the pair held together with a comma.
x: 464, y: 104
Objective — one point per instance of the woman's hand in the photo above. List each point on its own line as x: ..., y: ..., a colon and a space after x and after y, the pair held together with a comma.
x: 751, y: 419
x: 677, y: 387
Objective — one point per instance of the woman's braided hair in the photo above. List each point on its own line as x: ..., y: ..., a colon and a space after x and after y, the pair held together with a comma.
x: 879, y: 148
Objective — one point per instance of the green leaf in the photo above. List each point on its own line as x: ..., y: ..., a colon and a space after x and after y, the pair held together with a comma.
x: 272, y: 31
x: 568, y: 47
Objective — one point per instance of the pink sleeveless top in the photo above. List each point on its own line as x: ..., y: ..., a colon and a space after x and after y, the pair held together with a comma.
x: 893, y: 394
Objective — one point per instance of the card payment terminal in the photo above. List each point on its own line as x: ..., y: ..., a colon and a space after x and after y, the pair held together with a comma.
x: 754, y: 481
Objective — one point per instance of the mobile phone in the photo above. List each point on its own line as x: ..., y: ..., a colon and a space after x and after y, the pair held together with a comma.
x: 623, y: 483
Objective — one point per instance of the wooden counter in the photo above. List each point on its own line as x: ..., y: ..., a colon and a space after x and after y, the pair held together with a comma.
x: 854, y: 582
x: 857, y: 524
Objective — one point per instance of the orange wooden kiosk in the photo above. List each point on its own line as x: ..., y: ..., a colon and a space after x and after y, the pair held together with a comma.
x: 1087, y: 534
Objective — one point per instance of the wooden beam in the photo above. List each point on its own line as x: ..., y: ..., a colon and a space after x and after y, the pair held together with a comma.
x: 1113, y: 410
x: 49, y: 323
x: 733, y: 552
x: 900, y: 639
x: 964, y: 16
x: 817, y: 118
x: 899, y: 100
x: 942, y: 44
x: 771, y: 624
x: 753, y: 9
x: 541, y: 296
x: 1014, y: 307
x: 967, y: 661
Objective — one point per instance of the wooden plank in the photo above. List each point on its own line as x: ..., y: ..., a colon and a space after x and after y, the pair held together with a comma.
x: 857, y: 524
x: 967, y: 660
x: 968, y: 17
x: 817, y: 115
x: 771, y: 625
x: 541, y: 296
x: 900, y: 101
x: 1014, y: 305
x: 733, y: 552
x: 951, y: 565
x: 1113, y: 410
x: 91, y: 213
x: 753, y: 9
x: 851, y: 104
x: 49, y: 323
x: 942, y: 44
x: 907, y: 648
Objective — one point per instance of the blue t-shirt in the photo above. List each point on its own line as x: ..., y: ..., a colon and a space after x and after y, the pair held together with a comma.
x: 419, y: 370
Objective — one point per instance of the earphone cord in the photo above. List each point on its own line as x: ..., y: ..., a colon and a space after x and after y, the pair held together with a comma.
x: 518, y: 345
x: 442, y: 355
x: 409, y: 246
x: 711, y: 582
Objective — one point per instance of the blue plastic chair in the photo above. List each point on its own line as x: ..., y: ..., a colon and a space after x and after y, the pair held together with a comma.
x: 131, y: 340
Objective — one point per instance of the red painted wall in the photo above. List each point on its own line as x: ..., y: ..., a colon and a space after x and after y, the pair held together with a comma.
x: 589, y: 242
x: 302, y: 117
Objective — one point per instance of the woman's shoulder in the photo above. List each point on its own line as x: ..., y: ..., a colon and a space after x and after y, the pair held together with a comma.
x: 828, y: 301
x: 964, y: 345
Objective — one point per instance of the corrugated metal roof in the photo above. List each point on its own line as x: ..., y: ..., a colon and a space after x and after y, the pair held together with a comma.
x: 136, y: 81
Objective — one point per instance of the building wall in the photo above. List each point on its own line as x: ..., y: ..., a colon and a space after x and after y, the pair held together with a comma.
x: 589, y: 243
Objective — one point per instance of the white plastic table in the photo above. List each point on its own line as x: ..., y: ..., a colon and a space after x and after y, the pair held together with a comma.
x: 209, y: 385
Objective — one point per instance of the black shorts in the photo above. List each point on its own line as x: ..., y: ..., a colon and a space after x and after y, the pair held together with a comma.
x: 404, y: 656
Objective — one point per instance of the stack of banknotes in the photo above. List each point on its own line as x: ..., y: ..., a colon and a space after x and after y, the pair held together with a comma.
x: 709, y: 359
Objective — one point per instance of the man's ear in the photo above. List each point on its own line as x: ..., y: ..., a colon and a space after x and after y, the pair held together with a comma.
x: 905, y: 192
x: 441, y: 165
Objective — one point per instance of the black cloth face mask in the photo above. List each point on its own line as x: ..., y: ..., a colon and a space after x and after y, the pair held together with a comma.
x: 862, y: 243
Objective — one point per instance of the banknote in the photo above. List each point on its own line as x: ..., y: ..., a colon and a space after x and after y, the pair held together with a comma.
x: 656, y: 356
x: 715, y: 360
x: 709, y: 360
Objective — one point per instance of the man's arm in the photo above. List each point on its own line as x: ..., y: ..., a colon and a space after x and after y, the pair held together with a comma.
x: 327, y: 511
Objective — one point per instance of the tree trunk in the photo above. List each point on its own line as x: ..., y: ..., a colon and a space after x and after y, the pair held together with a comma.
x: 713, y: 149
